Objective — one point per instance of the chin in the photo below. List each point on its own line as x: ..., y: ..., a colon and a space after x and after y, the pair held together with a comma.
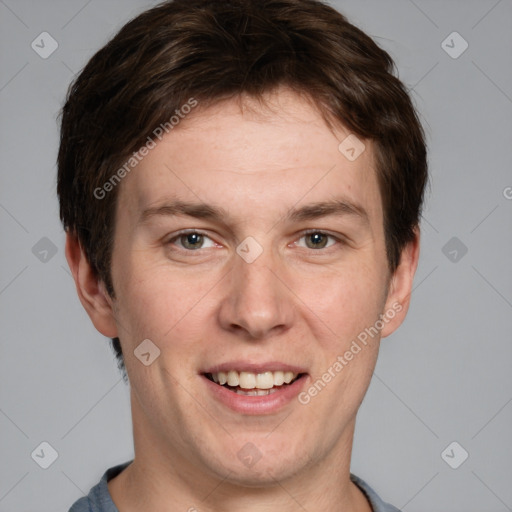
x: 261, y: 475
x: 248, y: 465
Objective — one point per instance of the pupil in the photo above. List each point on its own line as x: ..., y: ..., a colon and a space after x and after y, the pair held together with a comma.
x: 317, y: 240
x: 193, y: 240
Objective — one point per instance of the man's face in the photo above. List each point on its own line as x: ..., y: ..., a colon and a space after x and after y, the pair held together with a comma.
x: 284, y: 279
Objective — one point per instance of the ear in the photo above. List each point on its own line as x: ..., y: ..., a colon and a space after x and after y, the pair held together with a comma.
x: 400, y: 286
x: 91, y: 291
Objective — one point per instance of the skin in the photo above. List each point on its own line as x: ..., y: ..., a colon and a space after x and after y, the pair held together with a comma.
x: 294, y: 304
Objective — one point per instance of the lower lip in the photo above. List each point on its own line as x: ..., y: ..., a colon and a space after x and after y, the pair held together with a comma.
x: 266, y: 404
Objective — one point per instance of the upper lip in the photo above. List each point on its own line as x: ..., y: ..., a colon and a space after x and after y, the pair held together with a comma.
x: 245, y: 366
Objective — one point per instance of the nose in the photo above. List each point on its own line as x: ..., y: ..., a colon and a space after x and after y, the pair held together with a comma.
x: 256, y: 304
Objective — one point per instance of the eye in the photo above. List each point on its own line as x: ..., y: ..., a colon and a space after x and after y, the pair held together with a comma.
x: 192, y: 241
x: 316, y: 240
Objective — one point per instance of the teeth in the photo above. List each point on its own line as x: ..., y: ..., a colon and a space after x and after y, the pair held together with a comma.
x: 264, y: 380
x: 288, y: 377
x: 233, y: 378
x: 255, y: 392
x: 261, y: 381
x: 247, y: 380
x: 279, y: 378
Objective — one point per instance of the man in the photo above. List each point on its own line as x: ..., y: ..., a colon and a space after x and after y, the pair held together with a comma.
x: 241, y: 184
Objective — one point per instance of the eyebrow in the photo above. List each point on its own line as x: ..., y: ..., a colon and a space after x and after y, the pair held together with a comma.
x: 338, y: 207
x: 196, y: 210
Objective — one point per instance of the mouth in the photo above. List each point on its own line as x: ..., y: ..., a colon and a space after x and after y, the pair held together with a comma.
x: 254, y: 384
x: 255, y: 390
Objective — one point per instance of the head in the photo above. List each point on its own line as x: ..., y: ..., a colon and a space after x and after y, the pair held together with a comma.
x: 213, y: 205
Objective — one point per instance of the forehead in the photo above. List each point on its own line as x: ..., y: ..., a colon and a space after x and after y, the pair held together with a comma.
x: 254, y: 158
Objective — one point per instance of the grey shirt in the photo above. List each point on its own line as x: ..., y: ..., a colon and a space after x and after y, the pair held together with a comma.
x: 99, y: 500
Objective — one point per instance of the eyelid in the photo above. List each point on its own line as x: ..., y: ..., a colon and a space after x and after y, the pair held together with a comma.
x: 177, y: 235
x: 337, y: 237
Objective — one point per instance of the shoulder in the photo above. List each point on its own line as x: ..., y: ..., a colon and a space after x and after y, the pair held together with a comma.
x: 82, y: 505
x: 99, y: 499
x: 375, y: 501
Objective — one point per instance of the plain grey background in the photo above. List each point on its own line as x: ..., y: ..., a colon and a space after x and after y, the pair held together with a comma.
x: 443, y: 377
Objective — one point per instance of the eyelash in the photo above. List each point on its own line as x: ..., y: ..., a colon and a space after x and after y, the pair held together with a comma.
x: 178, y: 235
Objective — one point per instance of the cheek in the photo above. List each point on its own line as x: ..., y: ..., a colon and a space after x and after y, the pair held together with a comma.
x: 342, y: 318
x: 162, y: 303
x: 343, y: 303
x: 142, y: 298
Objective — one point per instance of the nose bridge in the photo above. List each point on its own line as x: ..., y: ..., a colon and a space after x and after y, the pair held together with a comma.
x: 256, y: 281
x: 256, y: 301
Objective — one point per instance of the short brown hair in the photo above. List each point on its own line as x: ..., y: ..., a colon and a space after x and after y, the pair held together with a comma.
x: 214, y: 50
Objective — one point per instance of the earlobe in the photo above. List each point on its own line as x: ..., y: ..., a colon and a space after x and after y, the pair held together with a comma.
x: 400, y: 288
x: 90, y: 289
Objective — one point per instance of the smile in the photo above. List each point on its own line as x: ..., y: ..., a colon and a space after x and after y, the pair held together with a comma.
x: 253, y: 384
x: 255, y: 392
